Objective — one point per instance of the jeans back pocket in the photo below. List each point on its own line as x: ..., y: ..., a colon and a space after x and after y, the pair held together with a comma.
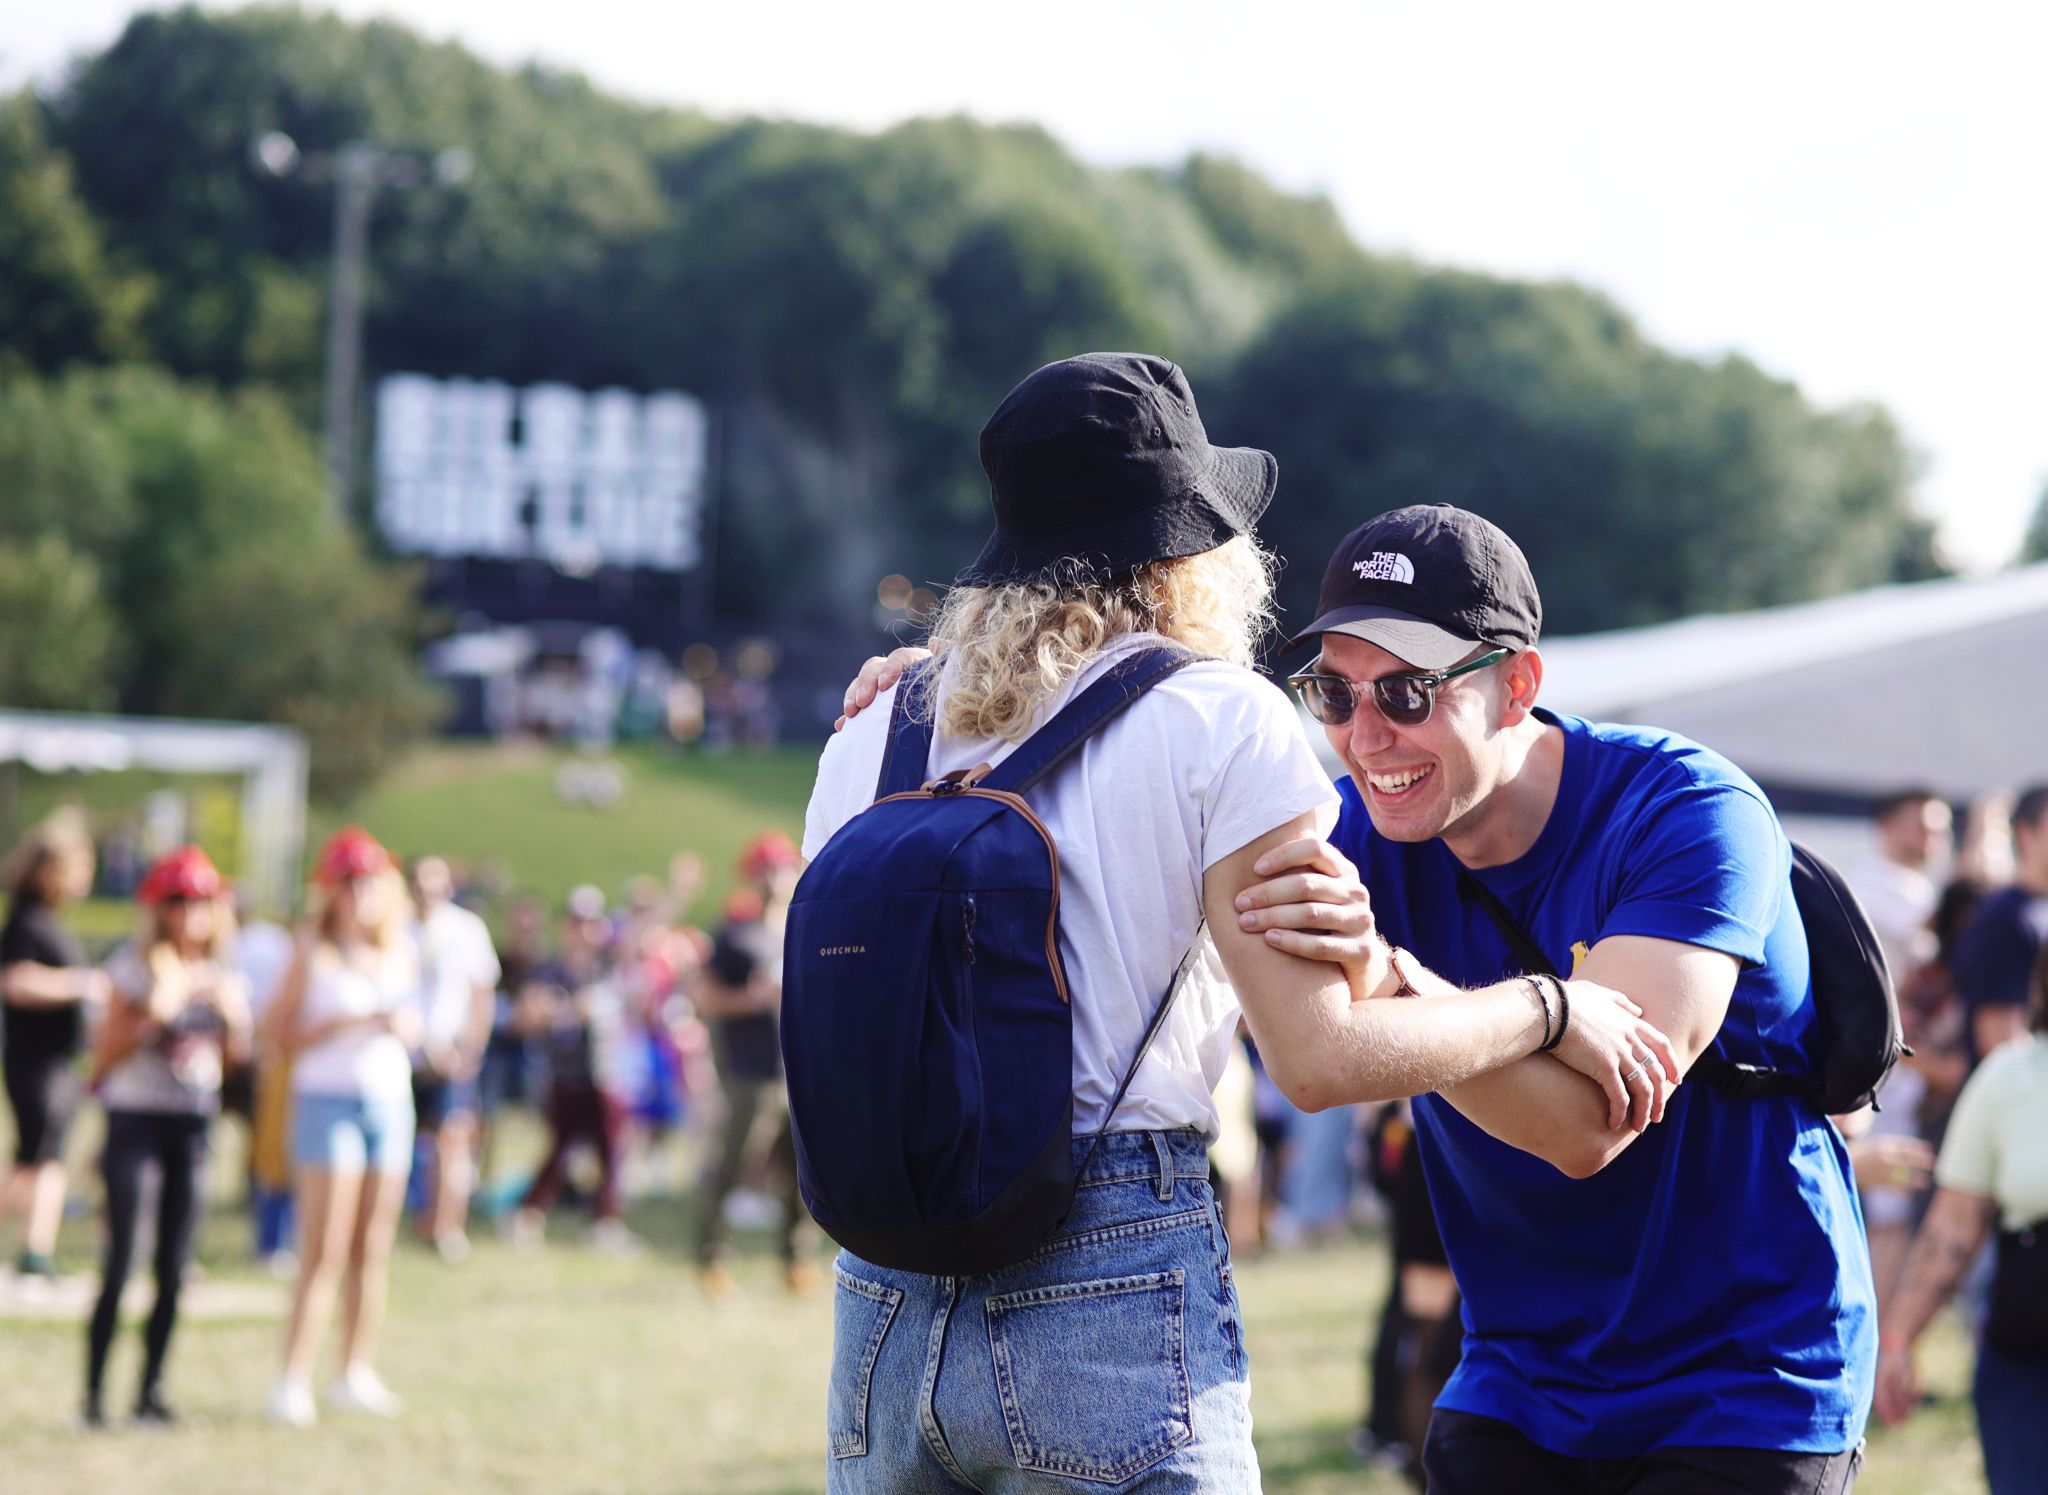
x: 1093, y: 1375
x: 861, y: 1314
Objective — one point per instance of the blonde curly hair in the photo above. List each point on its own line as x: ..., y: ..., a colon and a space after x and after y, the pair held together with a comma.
x: 1006, y: 650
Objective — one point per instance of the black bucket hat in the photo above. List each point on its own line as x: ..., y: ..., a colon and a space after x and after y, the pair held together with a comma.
x: 1101, y: 462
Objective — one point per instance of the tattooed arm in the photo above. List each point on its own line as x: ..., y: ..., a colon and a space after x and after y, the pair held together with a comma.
x: 1948, y: 1241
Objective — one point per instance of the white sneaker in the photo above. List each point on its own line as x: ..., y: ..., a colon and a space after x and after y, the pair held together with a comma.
x: 452, y: 1246
x: 613, y: 1238
x: 524, y: 1229
x: 360, y: 1390
x: 291, y: 1403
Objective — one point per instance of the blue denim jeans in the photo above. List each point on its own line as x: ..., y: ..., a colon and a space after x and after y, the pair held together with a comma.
x: 1112, y: 1359
x: 2012, y: 1422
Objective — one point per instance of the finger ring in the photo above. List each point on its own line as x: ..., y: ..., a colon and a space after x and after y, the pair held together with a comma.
x: 1630, y: 1076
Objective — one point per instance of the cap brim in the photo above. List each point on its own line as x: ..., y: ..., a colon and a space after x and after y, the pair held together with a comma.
x: 1403, y: 635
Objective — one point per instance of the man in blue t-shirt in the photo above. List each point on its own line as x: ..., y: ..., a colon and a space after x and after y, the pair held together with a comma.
x: 1683, y: 1308
x: 1997, y: 956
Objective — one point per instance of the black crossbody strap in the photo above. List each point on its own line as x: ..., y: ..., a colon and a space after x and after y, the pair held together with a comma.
x: 1739, y: 1081
x: 1533, y: 960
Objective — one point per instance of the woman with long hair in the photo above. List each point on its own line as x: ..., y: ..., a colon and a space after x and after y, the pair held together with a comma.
x: 1113, y: 1357
x: 1992, y: 1176
x: 179, y: 1013
x: 47, y: 990
x: 347, y: 1017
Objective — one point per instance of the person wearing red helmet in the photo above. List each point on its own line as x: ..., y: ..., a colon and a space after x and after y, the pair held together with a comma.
x: 178, y: 1011
x: 347, y: 1016
x: 739, y: 994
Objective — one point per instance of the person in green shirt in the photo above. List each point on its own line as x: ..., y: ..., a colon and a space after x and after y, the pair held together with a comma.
x: 1992, y: 1170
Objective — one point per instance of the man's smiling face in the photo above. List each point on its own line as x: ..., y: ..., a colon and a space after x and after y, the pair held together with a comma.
x: 1424, y: 781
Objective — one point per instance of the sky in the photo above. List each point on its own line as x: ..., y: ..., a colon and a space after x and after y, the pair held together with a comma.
x: 1852, y: 195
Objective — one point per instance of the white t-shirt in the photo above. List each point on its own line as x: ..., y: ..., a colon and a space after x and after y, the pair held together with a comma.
x: 1900, y: 901
x: 455, y: 957
x: 179, y: 1069
x: 1207, y: 762
x: 358, y: 1061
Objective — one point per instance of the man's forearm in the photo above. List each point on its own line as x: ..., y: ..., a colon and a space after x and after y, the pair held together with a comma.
x: 1545, y: 1108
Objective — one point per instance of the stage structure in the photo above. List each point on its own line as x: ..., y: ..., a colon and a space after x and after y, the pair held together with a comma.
x: 270, y: 760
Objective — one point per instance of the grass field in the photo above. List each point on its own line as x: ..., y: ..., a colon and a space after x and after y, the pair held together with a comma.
x: 496, y: 807
x: 569, y: 1371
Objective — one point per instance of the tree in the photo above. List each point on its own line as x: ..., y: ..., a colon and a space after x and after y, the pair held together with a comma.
x: 61, y: 297
x: 62, y: 637
x: 166, y: 550
x: 1642, y: 485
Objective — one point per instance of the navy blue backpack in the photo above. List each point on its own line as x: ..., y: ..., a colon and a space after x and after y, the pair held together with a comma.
x: 927, y: 1025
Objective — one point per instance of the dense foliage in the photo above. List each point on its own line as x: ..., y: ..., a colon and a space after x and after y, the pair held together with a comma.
x: 853, y: 304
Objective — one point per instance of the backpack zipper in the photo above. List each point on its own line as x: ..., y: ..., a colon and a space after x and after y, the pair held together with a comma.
x: 1052, y: 918
x: 967, y: 925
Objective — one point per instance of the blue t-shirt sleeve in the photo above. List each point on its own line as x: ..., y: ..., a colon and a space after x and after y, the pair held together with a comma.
x: 1995, y: 966
x: 1709, y: 867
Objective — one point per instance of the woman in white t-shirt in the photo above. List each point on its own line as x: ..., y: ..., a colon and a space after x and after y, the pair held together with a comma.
x: 347, y: 1017
x: 1113, y: 1357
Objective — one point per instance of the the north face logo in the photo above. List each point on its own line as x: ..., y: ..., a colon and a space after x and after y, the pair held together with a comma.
x: 1385, y: 565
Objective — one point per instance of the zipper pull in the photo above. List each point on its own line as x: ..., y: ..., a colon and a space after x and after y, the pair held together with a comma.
x: 967, y: 926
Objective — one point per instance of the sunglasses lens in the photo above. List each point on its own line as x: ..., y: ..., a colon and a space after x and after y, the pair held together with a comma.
x: 1403, y: 698
x: 1329, y: 700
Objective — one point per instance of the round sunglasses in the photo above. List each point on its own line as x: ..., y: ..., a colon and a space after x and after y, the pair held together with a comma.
x: 1405, y: 700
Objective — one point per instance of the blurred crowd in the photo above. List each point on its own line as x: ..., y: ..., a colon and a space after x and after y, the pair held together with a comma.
x: 375, y: 1051
x: 393, y: 1054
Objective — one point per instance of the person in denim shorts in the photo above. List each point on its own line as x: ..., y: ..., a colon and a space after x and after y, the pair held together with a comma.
x: 1113, y: 1357
x: 347, y: 1016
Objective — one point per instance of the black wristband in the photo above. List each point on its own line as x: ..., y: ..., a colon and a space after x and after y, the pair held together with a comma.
x: 1564, y: 1016
x: 1549, y: 1015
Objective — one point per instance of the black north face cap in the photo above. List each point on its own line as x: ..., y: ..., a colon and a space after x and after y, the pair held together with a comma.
x: 1427, y: 583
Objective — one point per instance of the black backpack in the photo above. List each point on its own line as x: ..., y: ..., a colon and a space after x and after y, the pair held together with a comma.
x: 1859, y: 1038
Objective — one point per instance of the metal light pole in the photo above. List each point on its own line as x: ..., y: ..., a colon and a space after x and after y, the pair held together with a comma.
x: 357, y: 170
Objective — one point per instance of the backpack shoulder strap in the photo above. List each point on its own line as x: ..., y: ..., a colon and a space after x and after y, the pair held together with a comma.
x: 1152, y: 1028
x: 1090, y: 711
x: 910, y: 735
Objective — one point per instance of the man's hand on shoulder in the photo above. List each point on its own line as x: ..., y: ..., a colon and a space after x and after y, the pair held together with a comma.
x: 876, y: 676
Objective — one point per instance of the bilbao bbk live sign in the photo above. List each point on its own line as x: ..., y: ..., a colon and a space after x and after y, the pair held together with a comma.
x: 578, y: 479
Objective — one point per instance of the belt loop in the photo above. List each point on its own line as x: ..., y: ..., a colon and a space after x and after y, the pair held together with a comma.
x: 1165, y: 1152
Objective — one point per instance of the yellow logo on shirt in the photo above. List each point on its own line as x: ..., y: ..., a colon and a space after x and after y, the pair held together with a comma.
x: 1580, y: 950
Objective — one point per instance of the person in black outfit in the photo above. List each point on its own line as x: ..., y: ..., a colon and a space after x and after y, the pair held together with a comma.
x: 179, y: 1013
x: 46, y: 987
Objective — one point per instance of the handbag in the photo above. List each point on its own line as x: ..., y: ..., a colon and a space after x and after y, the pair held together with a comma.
x: 2017, y: 1325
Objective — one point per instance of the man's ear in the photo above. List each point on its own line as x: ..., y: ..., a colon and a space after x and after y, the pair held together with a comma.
x: 1524, y: 672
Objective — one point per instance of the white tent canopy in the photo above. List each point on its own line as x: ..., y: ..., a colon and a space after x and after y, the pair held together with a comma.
x: 1937, y: 683
x: 271, y: 760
